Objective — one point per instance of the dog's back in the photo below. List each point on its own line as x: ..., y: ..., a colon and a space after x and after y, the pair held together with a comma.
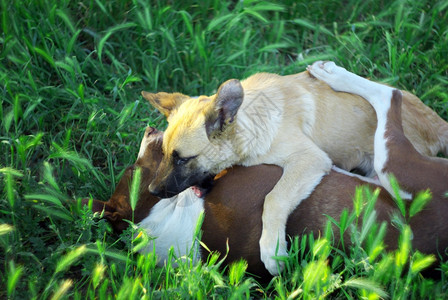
x: 344, y: 125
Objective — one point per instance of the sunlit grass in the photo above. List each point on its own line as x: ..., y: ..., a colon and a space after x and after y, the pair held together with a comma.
x: 72, y: 117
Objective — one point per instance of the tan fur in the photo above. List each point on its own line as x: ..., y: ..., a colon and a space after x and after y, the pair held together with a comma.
x: 165, y: 102
x: 394, y: 154
x: 295, y: 122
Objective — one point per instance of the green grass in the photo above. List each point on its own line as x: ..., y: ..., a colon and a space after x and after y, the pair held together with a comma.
x: 72, y: 117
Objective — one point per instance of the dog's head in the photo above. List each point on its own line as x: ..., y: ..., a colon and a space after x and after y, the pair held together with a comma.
x: 118, y: 208
x: 197, y: 141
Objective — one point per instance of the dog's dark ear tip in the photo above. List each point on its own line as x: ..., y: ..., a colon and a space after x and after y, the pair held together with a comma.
x: 150, y: 130
x: 231, y: 87
x: 227, y: 101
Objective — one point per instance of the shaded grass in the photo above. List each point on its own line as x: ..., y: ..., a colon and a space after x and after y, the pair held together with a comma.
x: 72, y: 118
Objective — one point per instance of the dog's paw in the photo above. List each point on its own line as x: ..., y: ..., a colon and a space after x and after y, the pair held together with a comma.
x: 268, y: 249
x: 341, y: 80
x: 323, y: 69
x: 326, y: 66
x: 338, y: 78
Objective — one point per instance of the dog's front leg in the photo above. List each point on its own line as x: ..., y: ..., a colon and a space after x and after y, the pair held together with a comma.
x: 303, y: 169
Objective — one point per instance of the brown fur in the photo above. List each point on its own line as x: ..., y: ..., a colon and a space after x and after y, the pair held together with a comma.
x: 229, y: 219
x: 414, y: 171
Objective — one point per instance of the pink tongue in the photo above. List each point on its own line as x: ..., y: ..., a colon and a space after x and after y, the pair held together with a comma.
x: 197, y: 191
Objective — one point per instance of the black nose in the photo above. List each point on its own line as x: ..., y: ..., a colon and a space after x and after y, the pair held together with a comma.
x: 154, y: 190
x: 161, y: 192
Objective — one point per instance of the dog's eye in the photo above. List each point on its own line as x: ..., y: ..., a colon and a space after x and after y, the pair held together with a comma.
x: 182, y: 161
x: 178, y: 161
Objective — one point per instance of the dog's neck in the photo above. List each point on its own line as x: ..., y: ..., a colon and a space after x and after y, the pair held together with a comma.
x: 248, y: 137
x: 256, y: 126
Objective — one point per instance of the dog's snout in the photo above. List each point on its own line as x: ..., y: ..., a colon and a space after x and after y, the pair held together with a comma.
x: 160, y: 192
x: 154, y: 190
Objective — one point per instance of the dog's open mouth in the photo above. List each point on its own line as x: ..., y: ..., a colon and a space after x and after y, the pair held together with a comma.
x: 199, y: 192
x: 202, y: 189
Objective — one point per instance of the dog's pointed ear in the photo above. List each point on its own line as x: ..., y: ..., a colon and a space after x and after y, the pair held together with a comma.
x: 166, y: 103
x: 116, y: 218
x: 225, y: 106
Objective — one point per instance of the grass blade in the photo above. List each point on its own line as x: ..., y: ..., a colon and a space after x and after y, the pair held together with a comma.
x: 70, y: 258
x: 5, y: 229
x: 365, y: 284
x: 14, y: 275
x: 62, y: 290
x: 419, y: 202
x: 135, y: 188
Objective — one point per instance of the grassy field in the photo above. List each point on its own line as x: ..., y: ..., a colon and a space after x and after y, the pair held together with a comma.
x: 72, y: 118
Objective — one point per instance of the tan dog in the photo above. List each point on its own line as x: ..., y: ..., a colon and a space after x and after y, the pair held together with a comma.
x: 291, y: 121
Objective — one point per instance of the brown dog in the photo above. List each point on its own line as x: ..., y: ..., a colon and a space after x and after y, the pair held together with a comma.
x: 229, y: 219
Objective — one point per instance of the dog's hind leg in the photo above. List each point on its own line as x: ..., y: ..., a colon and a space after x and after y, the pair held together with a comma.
x: 394, y: 153
x: 341, y: 80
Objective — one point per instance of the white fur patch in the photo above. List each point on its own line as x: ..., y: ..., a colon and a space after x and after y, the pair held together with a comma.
x: 141, y: 151
x: 172, y: 223
x: 382, y: 153
x: 363, y: 178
